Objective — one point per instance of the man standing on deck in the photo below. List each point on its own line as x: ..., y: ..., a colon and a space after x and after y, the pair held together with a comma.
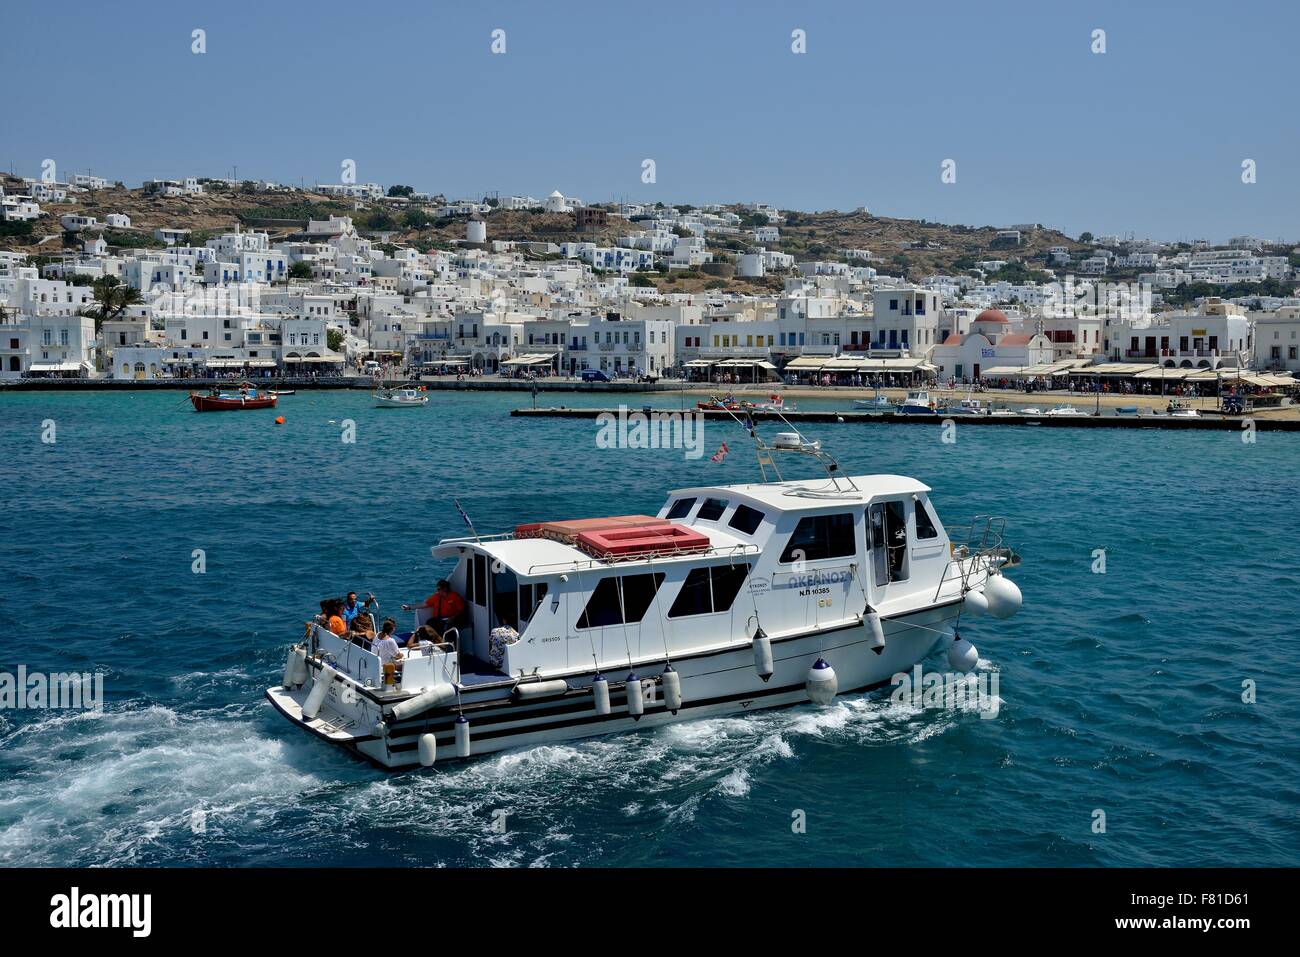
x: 445, y: 607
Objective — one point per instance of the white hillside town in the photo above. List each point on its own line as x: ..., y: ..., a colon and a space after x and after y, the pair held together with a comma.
x: 324, y: 298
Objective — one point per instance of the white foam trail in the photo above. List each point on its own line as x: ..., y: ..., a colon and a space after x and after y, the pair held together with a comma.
x: 109, y: 788
x: 121, y: 787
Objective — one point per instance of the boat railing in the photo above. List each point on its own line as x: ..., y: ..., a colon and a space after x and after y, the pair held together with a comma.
x: 977, y: 550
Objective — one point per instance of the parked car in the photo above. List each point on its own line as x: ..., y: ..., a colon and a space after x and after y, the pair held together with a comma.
x: 594, y: 375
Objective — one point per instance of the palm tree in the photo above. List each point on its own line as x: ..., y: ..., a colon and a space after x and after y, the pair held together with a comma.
x: 113, y: 299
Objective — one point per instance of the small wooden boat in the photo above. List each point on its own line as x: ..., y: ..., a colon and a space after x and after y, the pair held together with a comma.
x: 716, y: 404
x: 216, y: 401
x: 283, y: 391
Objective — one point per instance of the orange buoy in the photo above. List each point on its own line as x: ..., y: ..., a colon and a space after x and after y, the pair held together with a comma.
x: 279, y: 420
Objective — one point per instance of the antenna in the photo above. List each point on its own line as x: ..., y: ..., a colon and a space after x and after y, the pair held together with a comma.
x: 766, y: 454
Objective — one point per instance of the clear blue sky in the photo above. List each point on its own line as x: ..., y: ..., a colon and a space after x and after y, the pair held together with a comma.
x: 1148, y: 137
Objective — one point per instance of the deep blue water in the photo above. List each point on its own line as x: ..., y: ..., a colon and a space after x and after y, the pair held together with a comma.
x: 1120, y: 692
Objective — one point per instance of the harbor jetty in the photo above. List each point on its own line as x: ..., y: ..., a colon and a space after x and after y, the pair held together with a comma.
x: 1087, y: 421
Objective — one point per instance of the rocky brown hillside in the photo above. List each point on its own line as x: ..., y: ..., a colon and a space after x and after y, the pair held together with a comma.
x: 914, y: 248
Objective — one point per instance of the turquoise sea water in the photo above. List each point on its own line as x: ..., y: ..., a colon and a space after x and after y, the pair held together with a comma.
x: 1120, y: 691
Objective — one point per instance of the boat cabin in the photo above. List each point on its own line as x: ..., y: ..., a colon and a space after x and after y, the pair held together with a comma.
x: 606, y: 593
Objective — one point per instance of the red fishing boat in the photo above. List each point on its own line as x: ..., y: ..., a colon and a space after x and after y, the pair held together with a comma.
x: 217, y: 401
x: 726, y: 403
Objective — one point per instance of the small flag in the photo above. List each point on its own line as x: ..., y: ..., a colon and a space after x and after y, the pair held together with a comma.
x: 456, y: 502
x: 719, y: 455
x: 749, y: 423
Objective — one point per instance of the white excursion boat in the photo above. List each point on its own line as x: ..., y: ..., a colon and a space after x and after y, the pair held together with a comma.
x: 918, y: 402
x: 732, y: 599
x: 403, y: 398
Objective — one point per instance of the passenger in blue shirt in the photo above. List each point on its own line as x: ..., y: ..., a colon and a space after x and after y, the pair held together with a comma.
x: 351, y: 608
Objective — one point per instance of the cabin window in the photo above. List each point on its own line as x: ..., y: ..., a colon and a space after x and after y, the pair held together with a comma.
x: 821, y: 536
x: 505, y: 598
x: 746, y: 519
x: 925, y: 527
x: 681, y: 508
x: 712, y: 509
x: 530, y: 597
x: 480, y: 580
x: 888, y: 542
x: 709, y: 590
x: 620, y: 600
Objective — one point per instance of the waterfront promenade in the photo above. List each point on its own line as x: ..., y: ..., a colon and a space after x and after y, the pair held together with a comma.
x: 1107, y: 403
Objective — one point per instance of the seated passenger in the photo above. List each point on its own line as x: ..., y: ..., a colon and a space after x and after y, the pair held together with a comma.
x: 424, y: 636
x: 444, y: 605
x: 501, y: 637
x: 331, y: 616
x: 385, y: 645
x: 363, y: 627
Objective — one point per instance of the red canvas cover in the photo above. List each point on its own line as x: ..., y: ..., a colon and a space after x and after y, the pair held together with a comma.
x: 569, y: 531
x: 663, y: 538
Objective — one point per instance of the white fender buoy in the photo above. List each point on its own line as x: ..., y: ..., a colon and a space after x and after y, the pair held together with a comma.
x: 672, y: 683
x: 462, y: 737
x: 422, y: 702
x: 319, y: 688
x: 300, y: 670
x: 542, y: 689
x: 600, y: 693
x: 821, y: 685
x: 635, y: 702
x: 428, y: 747
x: 962, y: 655
x: 297, y: 658
x: 762, y: 654
x: 975, y: 603
x: 876, y: 630
x: 1003, y: 596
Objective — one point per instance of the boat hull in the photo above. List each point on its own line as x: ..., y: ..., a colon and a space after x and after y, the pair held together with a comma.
x: 210, y: 403
x: 714, y: 684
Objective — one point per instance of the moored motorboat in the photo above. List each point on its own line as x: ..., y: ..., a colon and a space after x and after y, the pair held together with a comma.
x: 775, y: 403
x: 1064, y: 410
x: 880, y: 403
x: 730, y: 599
x: 403, y: 398
x: 918, y: 402
x: 968, y: 407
